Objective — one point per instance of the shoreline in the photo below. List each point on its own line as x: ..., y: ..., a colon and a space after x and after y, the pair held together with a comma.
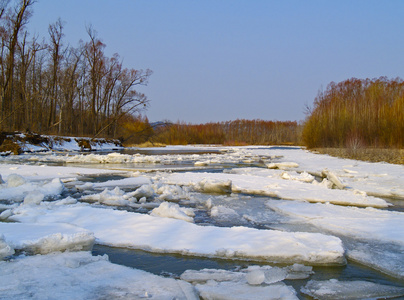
x: 392, y: 156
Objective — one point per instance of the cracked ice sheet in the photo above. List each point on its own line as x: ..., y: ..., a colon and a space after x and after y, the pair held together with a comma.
x: 30, y: 172
x: 166, y: 235
x: 361, y: 223
x: 376, y: 179
x: 372, y: 237
x: 350, y: 290
x: 46, y: 238
x: 279, y: 188
x: 79, y: 275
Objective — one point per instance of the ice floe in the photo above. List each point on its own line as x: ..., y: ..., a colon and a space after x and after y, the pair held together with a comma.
x: 139, y: 231
x: 334, y: 289
x: 18, y: 189
x: 273, y: 187
x: 79, y: 275
x: 173, y: 210
x: 363, y: 223
x: 372, y: 237
x: 46, y: 238
x: 254, y: 282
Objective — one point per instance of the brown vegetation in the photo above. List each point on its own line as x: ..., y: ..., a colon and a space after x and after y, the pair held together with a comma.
x: 51, y: 88
x: 239, y: 132
x: 358, y: 114
x: 393, y: 156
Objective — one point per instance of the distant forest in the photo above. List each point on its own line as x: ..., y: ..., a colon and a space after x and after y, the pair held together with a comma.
x: 238, y: 132
x: 49, y: 87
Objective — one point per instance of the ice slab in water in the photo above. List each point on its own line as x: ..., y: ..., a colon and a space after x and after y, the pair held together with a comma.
x: 278, y: 188
x: 244, y: 291
x: 386, y: 258
x: 173, y: 210
x: 139, y: 231
x: 79, y: 275
x: 5, y: 249
x: 254, y: 282
x: 333, y: 290
x: 46, y: 238
x: 19, y: 189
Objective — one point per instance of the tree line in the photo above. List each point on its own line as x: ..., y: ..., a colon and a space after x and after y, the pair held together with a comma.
x: 357, y: 113
x: 238, y: 132
x: 49, y: 87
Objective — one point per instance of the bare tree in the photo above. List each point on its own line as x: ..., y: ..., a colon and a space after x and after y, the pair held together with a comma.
x: 17, y: 18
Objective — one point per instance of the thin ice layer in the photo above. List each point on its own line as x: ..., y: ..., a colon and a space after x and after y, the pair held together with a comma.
x: 363, y: 223
x: 46, y: 238
x: 34, y: 172
x: 372, y: 237
x: 345, y: 290
x: 377, y: 179
x: 244, y: 291
x: 78, y: 275
x: 280, y: 188
x: 17, y: 189
x: 139, y: 231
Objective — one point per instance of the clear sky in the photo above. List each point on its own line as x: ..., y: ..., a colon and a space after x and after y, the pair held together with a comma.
x: 219, y: 60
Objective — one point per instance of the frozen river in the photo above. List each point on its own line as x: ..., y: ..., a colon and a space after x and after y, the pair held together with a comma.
x: 192, y: 222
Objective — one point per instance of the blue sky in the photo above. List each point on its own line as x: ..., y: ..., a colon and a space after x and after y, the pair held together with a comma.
x: 219, y: 60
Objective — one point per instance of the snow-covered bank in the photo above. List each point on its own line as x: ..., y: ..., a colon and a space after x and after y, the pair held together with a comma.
x: 375, y: 179
x: 30, y: 142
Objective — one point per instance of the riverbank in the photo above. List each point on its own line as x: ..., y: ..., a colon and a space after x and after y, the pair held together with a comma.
x: 392, y: 156
x: 17, y: 143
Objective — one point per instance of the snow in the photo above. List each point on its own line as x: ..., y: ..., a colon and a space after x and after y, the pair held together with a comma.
x: 333, y: 289
x: 173, y: 210
x: 61, y: 143
x: 372, y: 237
x: 167, y: 235
x: 375, y: 179
x: 363, y: 223
x: 244, y: 291
x: 5, y: 249
x: 18, y: 189
x: 273, y: 187
x: 46, y: 238
x: 254, y: 282
x: 43, y: 172
x: 79, y: 275
x: 327, y: 210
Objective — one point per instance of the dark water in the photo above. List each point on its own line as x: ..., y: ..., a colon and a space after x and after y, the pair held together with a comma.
x: 174, y: 265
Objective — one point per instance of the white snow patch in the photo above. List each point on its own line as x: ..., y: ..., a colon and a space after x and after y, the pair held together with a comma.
x: 359, y: 223
x: 279, y: 188
x: 173, y: 210
x: 5, y: 248
x: 124, y: 229
x: 334, y: 289
x: 244, y: 291
x: 79, y: 275
x: 46, y: 238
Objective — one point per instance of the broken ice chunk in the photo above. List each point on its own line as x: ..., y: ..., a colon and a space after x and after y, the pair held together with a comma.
x: 5, y: 249
x: 333, y: 289
x: 214, y: 186
x: 173, y: 210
